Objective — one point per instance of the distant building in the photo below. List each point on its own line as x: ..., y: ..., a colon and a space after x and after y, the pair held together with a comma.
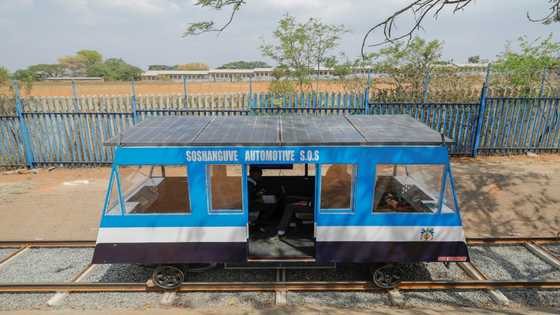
x: 64, y: 79
x: 259, y: 74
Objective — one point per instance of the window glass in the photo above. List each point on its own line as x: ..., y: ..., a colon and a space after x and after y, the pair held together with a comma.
x: 226, y: 187
x: 448, y: 204
x: 155, y: 189
x: 407, y: 188
x: 337, y: 183
x: 114, y: 205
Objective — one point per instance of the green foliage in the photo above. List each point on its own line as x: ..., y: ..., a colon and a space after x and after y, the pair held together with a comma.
x: 407, y: 65
x: 301, y: 46
x: 161, y: 67
x: 4, y: 76
x: 25, y: 77
x: 43, y: 71
x: 474, y: 59
x: 524, y: 68
x: 114, y: 69
x: 209, y: 26
x: 244, y: 65
x: 78, y: 64
x: 281, y: 87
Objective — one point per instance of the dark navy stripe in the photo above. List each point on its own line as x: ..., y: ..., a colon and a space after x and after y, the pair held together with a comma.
x: 169, y: 253
x: 398, y: 252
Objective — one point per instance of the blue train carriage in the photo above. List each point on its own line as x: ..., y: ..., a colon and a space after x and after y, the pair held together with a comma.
x: 375, y: 189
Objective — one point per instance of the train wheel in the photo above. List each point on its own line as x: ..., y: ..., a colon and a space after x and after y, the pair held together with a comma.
x: 387, y: 277
x: 168, y: 277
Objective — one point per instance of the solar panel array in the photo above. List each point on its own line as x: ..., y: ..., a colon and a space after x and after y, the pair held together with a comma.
x: 279, y: 130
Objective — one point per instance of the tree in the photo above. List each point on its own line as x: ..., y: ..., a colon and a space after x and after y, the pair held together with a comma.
x: 301, y: 46
x: 323, y: 38
x: 408, y: 64
x: 78, y: 64
x: 474, y: 59
x: 244, y: 65
x: 524, y: 68
x: 4, y: 76
x: 419, y: 9
x: 26, y: 77
x: 160, y: 67
x: 192, y: 67
x: 115, y: 69
x: 43, y: 71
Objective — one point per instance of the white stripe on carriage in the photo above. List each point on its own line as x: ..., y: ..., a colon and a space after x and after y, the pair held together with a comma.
x: 388, y: 234
x: 172, y: 235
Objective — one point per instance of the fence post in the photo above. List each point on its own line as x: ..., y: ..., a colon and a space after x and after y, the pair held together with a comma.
x: 75, y: 96
x: 185, y: 92
x: 543, y: 79
x: 251, y: 105
x: 481, y: 111
x: 134, y: 113
x: 23, y: 127
x: 366, y: 96
x: 426, y: 87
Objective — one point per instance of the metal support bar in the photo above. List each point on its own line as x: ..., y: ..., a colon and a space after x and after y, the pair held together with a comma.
x: 481, y: 111
x: 426, y: 91
x: 185, y: 92
x: 134, y: 112
x: 76, y: 101
x: 29, y: 159
x: 366, y: 96
x: 543, y: 81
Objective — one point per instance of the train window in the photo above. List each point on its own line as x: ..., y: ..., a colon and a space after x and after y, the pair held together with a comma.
x: 407, y: 188
x: 448, y: 204
x: 225, y: 187
x: 155, y: 189
x: 113, y: 205
x: 337, y: 184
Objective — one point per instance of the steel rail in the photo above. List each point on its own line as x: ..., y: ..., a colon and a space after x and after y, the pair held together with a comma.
x: 83, y: 287
x: 472, y: 241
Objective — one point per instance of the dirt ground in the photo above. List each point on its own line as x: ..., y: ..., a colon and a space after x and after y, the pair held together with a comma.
x: 155, y: 87
x: 499, y: 196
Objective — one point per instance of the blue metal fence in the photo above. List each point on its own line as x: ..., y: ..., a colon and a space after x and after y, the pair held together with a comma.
x: 75, y: 134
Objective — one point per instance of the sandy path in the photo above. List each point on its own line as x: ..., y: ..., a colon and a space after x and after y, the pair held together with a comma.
x: 499, y: 196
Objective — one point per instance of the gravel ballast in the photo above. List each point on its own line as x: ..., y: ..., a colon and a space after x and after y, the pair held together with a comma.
x: 119, y: 273
x: 342, y: 299
x: 453, y: 298
x: 23, y: 301
x: 196, y: 299
x: 4, y: 252
x: 46, y: 265
x: 112, y: 300
x: 511, y: 263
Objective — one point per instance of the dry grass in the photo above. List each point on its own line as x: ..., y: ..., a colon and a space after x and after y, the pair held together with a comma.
x: 154, y: 88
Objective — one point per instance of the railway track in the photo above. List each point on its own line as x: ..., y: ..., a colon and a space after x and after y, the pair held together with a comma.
x: 478, y: 280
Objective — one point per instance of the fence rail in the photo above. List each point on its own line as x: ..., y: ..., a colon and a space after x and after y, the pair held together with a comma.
x: 72, y: 130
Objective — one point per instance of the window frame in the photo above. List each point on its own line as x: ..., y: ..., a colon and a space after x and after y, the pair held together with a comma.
x: 319, y: 179
x: 208, y: 184
x: 438, y: 199
x: 122, y: 195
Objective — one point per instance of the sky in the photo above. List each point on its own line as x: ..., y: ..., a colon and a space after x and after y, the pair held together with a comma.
x: 145, y: 32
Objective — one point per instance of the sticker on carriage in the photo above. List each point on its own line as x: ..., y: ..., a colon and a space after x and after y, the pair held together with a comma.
x: 427, y: 234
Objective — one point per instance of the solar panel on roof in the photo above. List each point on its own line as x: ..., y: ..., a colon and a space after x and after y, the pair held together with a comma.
x: 305, y: 130
x: 243, y: 130
x: 394, y: 130
x: 279, y: 130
